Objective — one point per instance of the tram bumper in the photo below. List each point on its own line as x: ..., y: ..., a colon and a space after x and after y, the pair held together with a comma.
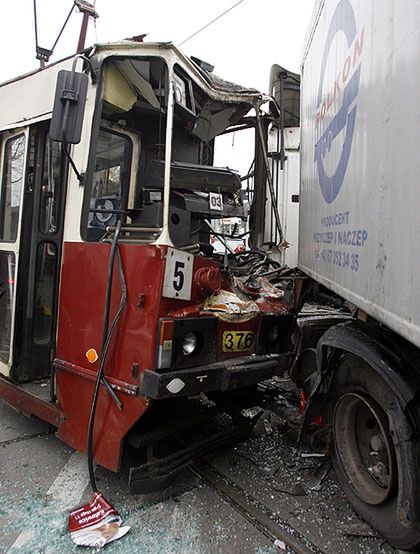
x: 231, y: 374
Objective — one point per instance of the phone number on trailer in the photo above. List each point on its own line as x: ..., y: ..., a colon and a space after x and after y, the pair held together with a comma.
x: 339, y: 258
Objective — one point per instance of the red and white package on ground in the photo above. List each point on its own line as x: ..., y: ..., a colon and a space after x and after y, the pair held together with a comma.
x: 96, y: 523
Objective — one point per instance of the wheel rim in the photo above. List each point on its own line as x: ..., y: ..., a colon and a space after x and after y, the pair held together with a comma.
x: 364, y: 447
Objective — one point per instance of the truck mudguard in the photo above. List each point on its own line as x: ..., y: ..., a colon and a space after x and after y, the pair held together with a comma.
x: 392, y: 364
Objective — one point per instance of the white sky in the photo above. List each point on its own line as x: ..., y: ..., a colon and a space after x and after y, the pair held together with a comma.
x: 242, y: 45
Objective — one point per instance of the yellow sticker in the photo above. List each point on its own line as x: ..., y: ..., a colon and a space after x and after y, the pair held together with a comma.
x: 234, y: 341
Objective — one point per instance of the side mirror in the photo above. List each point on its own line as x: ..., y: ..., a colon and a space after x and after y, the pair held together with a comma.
x: 69, y: 107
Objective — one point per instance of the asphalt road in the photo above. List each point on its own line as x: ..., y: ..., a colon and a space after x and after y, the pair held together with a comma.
x: 41, y: 479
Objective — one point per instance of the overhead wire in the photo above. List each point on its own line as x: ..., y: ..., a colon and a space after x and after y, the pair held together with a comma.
x: 210, y: 22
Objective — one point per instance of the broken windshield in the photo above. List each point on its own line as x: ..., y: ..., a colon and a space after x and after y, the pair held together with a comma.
x: 130, y: 156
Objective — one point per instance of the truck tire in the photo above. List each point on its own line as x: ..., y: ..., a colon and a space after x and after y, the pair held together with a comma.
x: 364, y: 456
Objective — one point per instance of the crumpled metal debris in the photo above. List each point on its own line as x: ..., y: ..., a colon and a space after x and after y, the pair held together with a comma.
x: 267, y: 426
x: 315, y: 481
x: 246, y: 455
x: 251, y: 413
x: 312, y: 455
x: 297, y: 489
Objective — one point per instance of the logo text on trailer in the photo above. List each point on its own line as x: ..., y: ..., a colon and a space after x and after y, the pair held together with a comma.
x: 345, y: 85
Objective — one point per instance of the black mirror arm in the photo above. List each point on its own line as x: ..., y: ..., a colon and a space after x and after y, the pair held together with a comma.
x: 87, y: 61
x: 73, y: 165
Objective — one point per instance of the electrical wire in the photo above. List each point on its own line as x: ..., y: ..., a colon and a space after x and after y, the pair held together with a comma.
x: 106, y: 340
x: 210, y: 23
x: 253, y: 262
x: 73, y: 165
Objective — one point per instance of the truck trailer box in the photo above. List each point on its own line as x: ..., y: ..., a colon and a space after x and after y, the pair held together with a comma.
x: 360, y: 157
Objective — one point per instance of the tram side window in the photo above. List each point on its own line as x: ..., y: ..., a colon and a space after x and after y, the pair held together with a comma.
x: 7, y: 280
x: 110, y: 182
x: 11, y: 188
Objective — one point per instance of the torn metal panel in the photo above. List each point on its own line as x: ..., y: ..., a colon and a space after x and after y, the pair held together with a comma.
x: 214, y: 118
x: 220, y: 84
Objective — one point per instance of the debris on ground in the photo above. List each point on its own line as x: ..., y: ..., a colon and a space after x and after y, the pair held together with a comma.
x: 280, y: 545
x: 246, y: 455
x: 296, y: 490
x: 359, y: 529
x: 312, y: 455
x: 267, y: 426
x: 315, y: 481
x: 96, y: 523
x: 251, y: 413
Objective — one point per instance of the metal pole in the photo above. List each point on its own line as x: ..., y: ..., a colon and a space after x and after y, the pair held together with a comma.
x: 165, y: 237
x: 83, y: 32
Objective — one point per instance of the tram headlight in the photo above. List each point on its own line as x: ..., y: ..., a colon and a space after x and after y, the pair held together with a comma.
x: 189, y: 344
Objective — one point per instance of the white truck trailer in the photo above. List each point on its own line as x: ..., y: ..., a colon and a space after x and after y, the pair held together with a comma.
x: 359, y: 222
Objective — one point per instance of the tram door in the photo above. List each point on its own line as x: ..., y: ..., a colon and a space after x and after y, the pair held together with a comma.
x: 37, y: 192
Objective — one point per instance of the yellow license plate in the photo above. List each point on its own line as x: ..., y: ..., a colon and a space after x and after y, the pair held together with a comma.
x: 234, y: 341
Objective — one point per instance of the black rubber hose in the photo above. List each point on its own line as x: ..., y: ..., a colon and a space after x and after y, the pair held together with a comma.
x: 106, y: 340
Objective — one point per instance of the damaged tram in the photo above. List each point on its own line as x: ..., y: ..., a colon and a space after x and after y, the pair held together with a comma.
x: 112, y: 297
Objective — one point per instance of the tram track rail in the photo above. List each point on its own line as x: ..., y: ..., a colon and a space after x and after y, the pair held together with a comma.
x: 254, y: 511
x: 267, y: 522
x: 27, y: 437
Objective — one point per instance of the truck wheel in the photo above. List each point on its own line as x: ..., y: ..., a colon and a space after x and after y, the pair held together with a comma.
x: 364, y: 455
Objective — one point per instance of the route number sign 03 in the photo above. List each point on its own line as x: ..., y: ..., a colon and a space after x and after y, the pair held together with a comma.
x: 178, y: 275
x: 216, y: 201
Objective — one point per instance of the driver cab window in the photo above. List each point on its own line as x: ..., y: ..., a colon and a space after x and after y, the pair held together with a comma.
x: 110, y: 182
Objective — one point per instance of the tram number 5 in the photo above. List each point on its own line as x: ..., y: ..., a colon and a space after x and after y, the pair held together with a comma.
x: 178, y: 275
x: 178, y: 282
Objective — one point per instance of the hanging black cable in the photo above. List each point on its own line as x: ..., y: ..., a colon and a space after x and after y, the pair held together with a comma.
x: 73, y: 165
x: 106, y: 340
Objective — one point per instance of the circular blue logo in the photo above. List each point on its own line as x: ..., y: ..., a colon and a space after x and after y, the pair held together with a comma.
x: 344, y: 21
